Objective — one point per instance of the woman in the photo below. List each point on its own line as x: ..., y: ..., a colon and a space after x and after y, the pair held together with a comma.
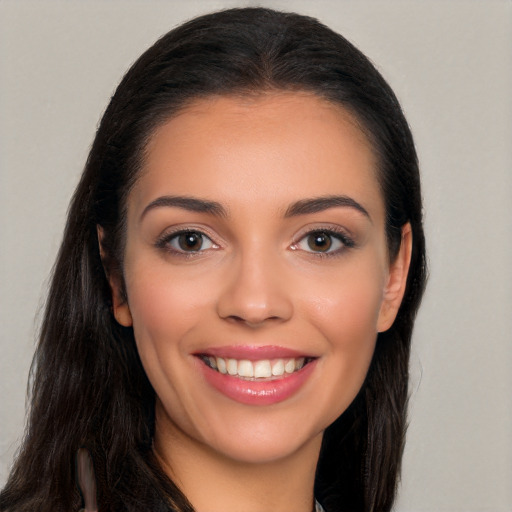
x: 229, y: 322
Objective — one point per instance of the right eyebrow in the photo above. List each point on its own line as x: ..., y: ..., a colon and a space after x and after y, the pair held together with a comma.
x: 322, y: 203
x: 192, y: 204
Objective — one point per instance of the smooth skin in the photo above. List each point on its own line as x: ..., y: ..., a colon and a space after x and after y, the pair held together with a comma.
x: 260, y: 269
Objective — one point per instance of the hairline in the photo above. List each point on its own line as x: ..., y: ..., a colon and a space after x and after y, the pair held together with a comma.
x: 348, y: 112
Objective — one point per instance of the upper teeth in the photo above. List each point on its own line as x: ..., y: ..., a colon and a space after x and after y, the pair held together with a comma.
x: 255, y: 369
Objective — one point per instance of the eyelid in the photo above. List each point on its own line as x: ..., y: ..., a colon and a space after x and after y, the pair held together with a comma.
x: 341, y: 234
x: 162, y: 242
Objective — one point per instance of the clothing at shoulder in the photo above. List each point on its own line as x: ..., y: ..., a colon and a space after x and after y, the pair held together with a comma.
x: 318, y: 507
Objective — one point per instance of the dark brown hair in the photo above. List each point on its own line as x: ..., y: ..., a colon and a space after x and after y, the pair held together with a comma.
x: 89, y: 388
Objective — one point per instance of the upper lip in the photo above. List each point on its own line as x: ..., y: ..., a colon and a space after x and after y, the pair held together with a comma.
x: 252, y: 352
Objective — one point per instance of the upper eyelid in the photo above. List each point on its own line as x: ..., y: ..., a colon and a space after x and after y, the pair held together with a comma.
x: 169, y: 234
x: 176, y: 230
x: 326, y: 228
x: 347, y: 240
x: 338, y: 231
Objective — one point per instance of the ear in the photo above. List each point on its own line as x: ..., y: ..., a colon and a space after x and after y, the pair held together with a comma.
x: 397, y: 280
x: 120, y: 306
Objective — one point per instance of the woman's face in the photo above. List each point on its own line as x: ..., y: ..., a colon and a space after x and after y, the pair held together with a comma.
x: 257, y: 272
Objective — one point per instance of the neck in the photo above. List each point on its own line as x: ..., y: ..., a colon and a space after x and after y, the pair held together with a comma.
x: 212, y: 482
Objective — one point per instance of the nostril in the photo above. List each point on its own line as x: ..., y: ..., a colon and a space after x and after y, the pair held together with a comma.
x: 251, y: 301
x: 251, y: 322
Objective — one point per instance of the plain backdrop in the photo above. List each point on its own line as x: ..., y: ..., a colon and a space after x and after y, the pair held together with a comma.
x: 450, y: 63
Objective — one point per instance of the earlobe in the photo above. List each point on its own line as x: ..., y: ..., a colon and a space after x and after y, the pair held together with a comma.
x: 121, y: 311
x: 120, y: 307
x: 396, y: 283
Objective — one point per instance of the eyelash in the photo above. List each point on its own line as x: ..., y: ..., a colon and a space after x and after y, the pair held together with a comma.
x: 339, y: 235
x: 165, y: 241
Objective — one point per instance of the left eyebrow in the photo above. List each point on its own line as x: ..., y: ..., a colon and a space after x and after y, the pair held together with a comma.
x: 319, y: 204
x: 191, y: 204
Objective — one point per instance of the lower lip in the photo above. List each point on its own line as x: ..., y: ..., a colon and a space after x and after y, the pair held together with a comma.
x: 253, y: 392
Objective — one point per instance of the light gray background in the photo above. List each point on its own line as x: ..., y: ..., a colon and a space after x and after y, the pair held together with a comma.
x: 450, y: 63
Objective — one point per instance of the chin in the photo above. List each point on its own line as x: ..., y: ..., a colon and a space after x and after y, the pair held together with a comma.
x: 268, y: 447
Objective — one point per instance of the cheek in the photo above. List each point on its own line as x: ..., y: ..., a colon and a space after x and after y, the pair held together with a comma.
x: 167, y: 309
x: 163, y: 304
x: 345, y: 311
x: 347, y: 304
x: 153, y: 311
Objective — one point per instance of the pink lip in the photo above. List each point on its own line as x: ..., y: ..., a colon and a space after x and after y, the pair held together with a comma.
x: 252, y: 352
x: 255, y: 392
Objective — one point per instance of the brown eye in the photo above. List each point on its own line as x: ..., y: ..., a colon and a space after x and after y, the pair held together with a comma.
x: 324, y: 242
x: 189, y: 241
x: 319, y: 241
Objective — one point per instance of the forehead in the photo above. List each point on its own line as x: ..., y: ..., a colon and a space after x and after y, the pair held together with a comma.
x: 266, y: 149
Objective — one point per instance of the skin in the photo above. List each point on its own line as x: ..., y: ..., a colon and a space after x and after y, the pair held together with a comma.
x: 258, y: 282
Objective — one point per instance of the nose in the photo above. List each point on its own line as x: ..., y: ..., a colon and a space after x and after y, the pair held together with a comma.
x: 255, y: 292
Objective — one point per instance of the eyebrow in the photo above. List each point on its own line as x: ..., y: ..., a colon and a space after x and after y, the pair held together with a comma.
x: 191, y: 204
x: 302, y: 207
x: 319, y: 204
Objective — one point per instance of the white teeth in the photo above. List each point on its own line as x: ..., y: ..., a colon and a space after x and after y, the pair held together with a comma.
x: 278, y: 368
x: 262, y: 369
x: 245, y: 368
x: 232, y: 366
x: 289, y: 366
x: 221, y: 365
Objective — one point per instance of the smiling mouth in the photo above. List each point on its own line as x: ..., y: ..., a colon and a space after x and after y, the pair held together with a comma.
x: 263, y: 369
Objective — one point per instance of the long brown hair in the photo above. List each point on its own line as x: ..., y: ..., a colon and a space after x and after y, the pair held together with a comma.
x: 89, y: 388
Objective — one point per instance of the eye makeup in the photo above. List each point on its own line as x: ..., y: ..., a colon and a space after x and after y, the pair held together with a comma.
x: 324, y: 241
x: 328, y: 241
x: 186, y: 242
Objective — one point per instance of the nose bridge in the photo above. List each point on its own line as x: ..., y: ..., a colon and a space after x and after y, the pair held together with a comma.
x: 255, y: 288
